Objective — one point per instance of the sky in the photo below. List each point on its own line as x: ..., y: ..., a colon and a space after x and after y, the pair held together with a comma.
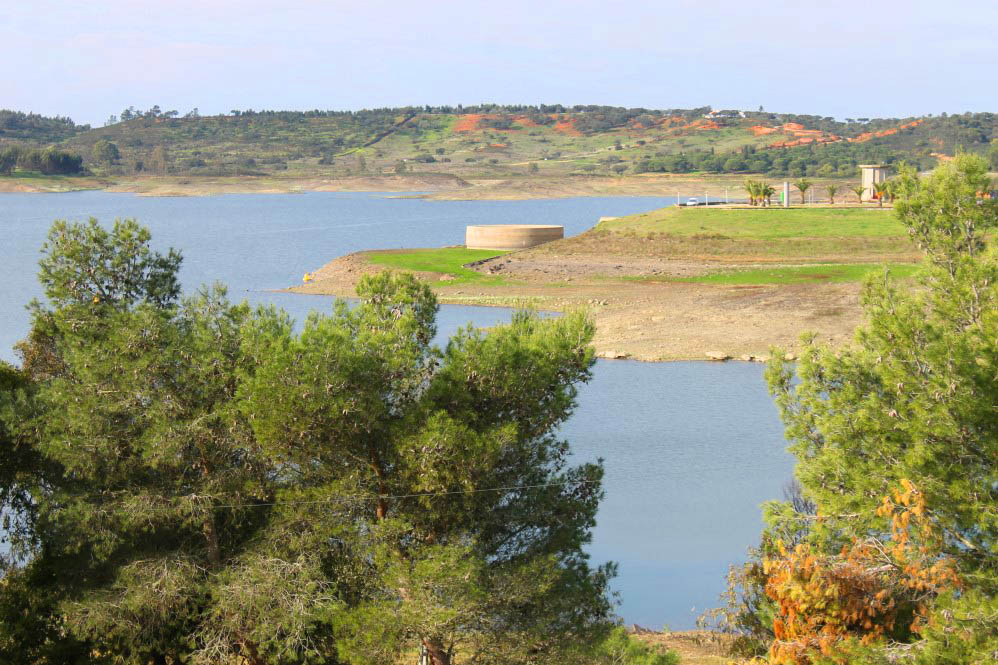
x: 849, y: 58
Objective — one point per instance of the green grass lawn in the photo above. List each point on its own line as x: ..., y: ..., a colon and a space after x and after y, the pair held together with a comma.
x: 448, y: 260
x: 846, y: 272
x: 817, y: 221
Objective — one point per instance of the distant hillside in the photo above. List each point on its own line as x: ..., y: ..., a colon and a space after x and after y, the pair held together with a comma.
x: 498, y: 141
x: 33, y: 128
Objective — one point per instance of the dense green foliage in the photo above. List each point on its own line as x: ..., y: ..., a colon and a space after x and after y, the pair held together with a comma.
x: 189, y: 480
x: 621, y: 649
x: 105, y: 152
x: 829, y: 160
x: 496, y: 138
x: 33, y: 127
x: 912, y: 400
x: 909, y: 411
x: 48, y: 161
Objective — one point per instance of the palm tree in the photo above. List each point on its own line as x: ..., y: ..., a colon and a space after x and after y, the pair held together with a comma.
x: 752, y: 187
x: 768, y: 193
x: 880, y: 189
x: 859, y: 190
x: 832, y: 191
x: 892, y: 190
x: 803, y: 185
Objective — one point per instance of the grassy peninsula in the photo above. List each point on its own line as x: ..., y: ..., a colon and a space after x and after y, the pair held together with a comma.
x: 676, y: 283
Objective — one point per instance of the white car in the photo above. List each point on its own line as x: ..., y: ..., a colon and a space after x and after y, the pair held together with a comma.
x: 693, y: 201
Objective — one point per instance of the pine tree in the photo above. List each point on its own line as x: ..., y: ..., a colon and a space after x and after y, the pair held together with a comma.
x: 196, y: 482
x: 914, y: 401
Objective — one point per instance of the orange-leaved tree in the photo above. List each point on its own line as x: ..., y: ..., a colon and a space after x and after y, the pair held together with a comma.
x: 874, y: 589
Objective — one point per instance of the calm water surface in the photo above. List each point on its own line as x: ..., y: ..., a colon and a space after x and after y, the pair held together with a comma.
x: 691, y: 449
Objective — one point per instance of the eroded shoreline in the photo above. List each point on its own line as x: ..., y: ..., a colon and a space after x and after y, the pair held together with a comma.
x: 434, y: 186
x: 642, y: 319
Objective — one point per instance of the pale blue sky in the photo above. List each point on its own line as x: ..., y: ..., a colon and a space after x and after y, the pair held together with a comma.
x: 848, y: 59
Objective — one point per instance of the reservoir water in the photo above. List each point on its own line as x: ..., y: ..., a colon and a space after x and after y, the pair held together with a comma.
x: 690, y: 449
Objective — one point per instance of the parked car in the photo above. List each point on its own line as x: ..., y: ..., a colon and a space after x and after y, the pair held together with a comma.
x: 693, y: 201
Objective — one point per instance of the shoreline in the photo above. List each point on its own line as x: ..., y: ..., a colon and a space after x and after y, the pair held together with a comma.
x: 637, y: 287
x: 648, y: 320
x: 429, y: 185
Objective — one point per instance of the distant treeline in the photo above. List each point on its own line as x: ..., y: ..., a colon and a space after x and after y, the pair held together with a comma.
x: 829, y: 160
x: 48, y: 161
x: 248, y: 142
x: 31, y: 126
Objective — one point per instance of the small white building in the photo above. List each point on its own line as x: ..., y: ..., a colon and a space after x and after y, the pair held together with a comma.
x: 871, y: 175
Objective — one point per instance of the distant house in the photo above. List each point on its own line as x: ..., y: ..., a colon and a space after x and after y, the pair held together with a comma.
x: 730, y: 113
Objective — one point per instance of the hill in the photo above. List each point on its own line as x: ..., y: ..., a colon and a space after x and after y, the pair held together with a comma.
x: 499, y: 141
x: 33, y: 128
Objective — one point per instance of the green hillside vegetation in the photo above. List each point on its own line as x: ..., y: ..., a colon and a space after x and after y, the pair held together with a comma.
x: 502, y: 141
x: 18, y: 126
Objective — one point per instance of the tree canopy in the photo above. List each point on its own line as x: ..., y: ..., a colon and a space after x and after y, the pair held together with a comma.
x: 192, y: 480
x: 896, y: 439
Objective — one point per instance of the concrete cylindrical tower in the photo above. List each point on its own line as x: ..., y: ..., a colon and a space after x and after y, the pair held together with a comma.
x: 511, y: 236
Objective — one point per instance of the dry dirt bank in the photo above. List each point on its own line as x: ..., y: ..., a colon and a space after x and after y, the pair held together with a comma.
x: 205, y: 186
x: 158, y: 185
x: 54, y: 184
x: 695, y: 647
x: 440, y: 186
x: 545, y: 187
x: 641, y: 318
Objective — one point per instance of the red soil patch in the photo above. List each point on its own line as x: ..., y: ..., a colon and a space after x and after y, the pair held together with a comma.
x: 707, y: 125
x: 566, y: 126
x: 866, y: 136
x: 798, y: 130
x: 801, y: 136
x: 804, y: 140
x: 759, y: 130
x: 524, y: 121
x: 467, y: 122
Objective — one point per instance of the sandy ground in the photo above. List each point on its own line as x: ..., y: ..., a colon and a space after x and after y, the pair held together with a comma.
x: 716, y: 186
x: 695, y: 647
x: 644, y: 319
x: 154, y: 185
x: 440, y: 186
